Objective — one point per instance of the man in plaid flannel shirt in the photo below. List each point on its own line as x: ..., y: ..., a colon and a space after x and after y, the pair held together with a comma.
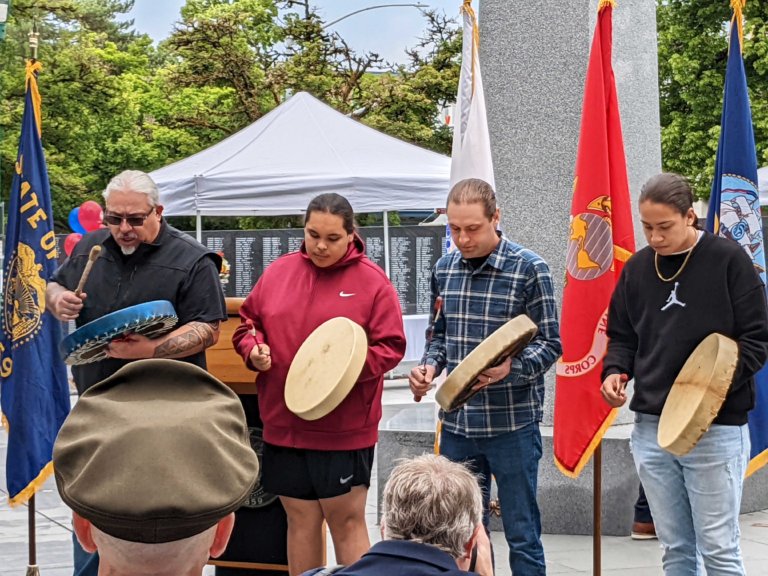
x: 487, y: 282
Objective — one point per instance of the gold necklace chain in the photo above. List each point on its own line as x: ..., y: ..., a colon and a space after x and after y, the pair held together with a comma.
x: 679, y: 270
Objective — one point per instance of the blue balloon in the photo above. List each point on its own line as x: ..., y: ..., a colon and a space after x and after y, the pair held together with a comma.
x: 74, y: 221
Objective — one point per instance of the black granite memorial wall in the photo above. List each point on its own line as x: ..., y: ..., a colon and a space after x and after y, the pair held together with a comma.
x: 413, y: 250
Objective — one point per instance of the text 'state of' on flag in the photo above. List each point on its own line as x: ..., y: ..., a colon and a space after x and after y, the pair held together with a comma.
x: 734, y: 206
x: 600, y: 240
x: 34, y: 390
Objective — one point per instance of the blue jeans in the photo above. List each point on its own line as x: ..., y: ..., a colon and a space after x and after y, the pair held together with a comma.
x: 642, y: 511
x: 513, y: 458
x: 695, y: 499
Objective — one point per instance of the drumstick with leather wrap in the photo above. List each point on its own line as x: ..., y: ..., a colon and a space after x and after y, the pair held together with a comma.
x: 430, y: 333
x: 95, y: 251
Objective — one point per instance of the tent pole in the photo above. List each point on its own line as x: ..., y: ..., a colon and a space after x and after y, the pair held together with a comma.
x: 385, y: 217
x: 386, y: 243
x: 199, y: 227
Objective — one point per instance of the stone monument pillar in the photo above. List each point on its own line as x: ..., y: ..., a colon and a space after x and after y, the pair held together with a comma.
x: 534, y: 59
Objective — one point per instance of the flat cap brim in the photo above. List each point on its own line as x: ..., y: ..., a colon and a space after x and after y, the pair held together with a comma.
x: 157, y: 452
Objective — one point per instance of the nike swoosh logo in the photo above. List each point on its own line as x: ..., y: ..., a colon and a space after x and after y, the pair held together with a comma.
x: 345, y: 480
x: 346, y: 294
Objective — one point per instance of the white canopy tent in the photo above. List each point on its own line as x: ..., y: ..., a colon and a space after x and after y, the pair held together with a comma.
x: 762, y: 185
x: 300, y: 149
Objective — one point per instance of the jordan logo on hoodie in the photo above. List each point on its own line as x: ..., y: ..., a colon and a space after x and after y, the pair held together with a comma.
x: 672, y: 299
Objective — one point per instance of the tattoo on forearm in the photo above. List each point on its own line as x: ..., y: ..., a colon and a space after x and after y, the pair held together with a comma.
x: 197, y: 336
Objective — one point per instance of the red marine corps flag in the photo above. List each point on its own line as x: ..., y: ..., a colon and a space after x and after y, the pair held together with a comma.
x: 601, y: 239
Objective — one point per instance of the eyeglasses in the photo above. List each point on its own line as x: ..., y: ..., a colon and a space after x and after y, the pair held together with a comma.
x: 132, y: 220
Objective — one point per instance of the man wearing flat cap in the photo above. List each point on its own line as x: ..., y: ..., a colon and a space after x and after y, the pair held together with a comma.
x: 154, y: 461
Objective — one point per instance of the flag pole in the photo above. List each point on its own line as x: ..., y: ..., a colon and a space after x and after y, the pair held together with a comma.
x: 597, y: 491
x: 32, y: 567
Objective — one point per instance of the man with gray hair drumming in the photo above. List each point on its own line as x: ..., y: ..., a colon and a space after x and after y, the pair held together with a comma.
x: 154, y: 461
x: 431, y: 524
x: 143, y: 259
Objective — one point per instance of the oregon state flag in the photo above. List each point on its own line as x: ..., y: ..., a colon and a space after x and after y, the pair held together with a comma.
x: 34, y: 393
x: 600, y: 240
x: 734, y: 206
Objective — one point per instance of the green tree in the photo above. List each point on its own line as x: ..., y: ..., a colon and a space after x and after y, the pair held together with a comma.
x: 406, y: 103
x: 87, y: 83
x: 278, y: 51
x: 693, y: 50
x: 108, y: 102
x: 227, y: 45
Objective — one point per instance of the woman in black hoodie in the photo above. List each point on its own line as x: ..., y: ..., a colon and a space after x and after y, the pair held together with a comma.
x: 685, y: 285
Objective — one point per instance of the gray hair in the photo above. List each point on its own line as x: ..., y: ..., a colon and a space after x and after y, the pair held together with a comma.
x: 165, y: 559
x: 134, y: 181
x: 432, y: 500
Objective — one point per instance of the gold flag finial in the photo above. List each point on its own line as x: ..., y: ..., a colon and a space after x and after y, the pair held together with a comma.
x: 605, y: 3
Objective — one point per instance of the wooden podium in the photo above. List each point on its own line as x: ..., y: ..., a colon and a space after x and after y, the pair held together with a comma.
x: 222, y: 359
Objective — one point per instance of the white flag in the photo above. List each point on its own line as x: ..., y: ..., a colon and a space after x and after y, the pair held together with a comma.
x: 471, y: 153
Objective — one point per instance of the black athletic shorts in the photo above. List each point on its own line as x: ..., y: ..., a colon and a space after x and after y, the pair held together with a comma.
x: 314, y: 474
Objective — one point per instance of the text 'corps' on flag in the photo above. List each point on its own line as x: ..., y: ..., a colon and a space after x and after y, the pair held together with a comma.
x: 601, y: 239
x: 734, y: 206
x: 471, y: 150
x: 34, y: 392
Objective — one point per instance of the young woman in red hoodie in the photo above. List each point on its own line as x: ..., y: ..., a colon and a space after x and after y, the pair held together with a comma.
x: 321, y: 469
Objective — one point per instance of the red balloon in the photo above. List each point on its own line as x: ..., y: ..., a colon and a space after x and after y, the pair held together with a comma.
x: 70, y: 241
x: 90, y: 215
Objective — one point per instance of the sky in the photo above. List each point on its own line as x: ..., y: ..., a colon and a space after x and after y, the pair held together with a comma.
x: 388, y: 31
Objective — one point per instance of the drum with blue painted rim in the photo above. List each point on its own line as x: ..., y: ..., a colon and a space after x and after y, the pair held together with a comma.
x: 89, y: 342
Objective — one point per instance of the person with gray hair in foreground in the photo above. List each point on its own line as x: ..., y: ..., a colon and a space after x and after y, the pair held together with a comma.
x: 154, y: 461
x: 431, y: 524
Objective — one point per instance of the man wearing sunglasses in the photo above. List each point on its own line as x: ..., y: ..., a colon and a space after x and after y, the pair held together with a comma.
x: 142, y: 259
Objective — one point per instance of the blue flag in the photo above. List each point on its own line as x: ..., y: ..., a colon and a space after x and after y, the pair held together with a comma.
x: 734, y: 207
x: 34, y: 393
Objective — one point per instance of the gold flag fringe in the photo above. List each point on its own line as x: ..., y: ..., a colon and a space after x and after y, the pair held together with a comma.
x: 756, y: 463
x: 33, y: 67
x: 467, y: 8
x: 738, y: 7
x: 24, y: 496
x: 590, y: 449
